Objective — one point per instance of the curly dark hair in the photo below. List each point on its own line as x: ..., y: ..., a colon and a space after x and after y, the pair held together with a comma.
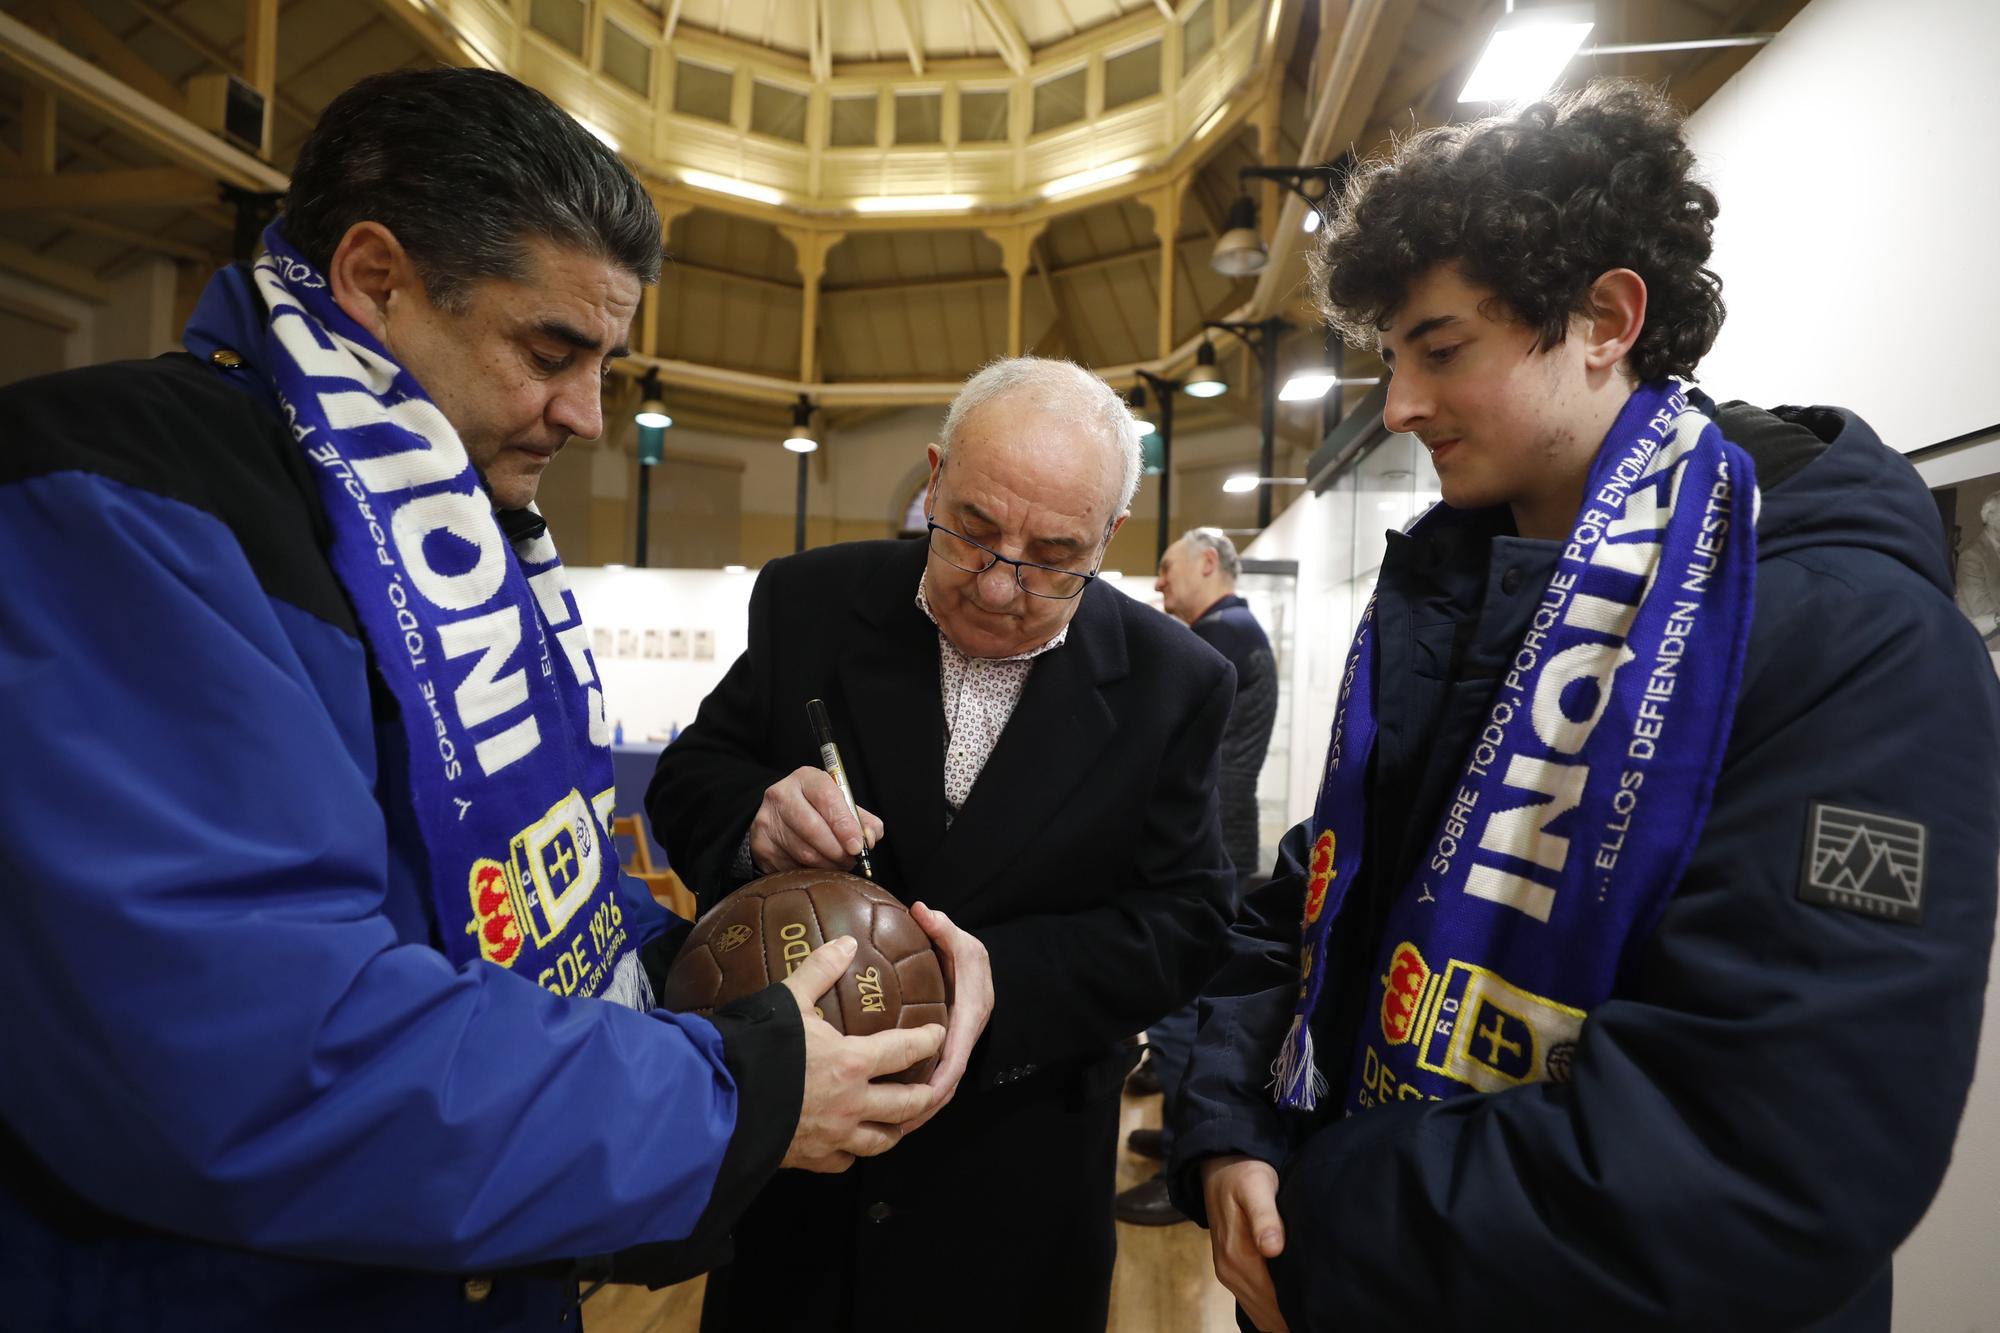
x: 1536, y: 205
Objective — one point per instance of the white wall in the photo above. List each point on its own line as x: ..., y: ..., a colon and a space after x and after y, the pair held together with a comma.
x: 1855, y: 159
x: 650, y: 695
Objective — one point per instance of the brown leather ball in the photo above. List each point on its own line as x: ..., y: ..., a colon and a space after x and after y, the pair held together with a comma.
x: 763, y: 931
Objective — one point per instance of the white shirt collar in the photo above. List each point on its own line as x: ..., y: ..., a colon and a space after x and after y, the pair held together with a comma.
x: 923, y: 604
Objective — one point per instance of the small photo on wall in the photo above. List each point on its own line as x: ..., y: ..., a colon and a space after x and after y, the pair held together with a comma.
x: 704, y: 645
x: 628, y: 643
x: 654, y: 645
x: 600, y: 643
x: 1970, y: 514
x: 677, y: 645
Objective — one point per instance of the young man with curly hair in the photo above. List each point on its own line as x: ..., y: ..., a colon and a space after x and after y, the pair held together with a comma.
x: 1648, y: 897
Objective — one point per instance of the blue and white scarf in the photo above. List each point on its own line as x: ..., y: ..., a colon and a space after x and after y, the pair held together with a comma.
x: 480, y: 642
x: 1583, y: 795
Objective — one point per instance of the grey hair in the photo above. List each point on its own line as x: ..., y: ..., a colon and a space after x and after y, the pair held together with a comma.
x: 1061, y: 389
x: 1217, y: 541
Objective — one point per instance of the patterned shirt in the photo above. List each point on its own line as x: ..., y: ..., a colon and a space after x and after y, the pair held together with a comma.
x: 979, y: 695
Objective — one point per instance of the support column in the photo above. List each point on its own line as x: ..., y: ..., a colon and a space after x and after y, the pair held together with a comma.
x: 1265, y: 119
x: 811, y: 247
x: 1164, y: 204
x: 1017, y: 246
x: 38, y: 118
x: 260, y: 61
x: 647, y: 338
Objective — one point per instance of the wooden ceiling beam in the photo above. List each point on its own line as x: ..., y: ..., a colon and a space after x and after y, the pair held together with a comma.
x: 158, y: 16
x: 1014, y: 47
x: 134, y: 187
x: 46, y: 64
x: 913, y: 36
x: 54, y: 272
x: 439, y: 37
x: 142, y: 240
x: 102, y: 45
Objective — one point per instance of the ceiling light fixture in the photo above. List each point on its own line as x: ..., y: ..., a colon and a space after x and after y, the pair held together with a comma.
x: 1312, y: 385
x: 1239, y: 251
x: 1244, y: 482
x: 802, y: 440
x: 708, y: 180
x: 1136, y: 402
x: 1527, y: 53
x: 1084, y: 180
x: 1205, y: 381
x: 916, y: 203
x: 652, y: 408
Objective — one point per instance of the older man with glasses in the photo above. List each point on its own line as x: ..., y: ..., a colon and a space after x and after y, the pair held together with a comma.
x: 1035, y: 754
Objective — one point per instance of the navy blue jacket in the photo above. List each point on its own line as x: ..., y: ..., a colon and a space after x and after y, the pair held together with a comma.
x: 1757, y: 1121
x: 243, y: 1088
x: 1230, y: 629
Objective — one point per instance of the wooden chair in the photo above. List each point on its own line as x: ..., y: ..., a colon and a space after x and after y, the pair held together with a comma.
x: 666, y: 886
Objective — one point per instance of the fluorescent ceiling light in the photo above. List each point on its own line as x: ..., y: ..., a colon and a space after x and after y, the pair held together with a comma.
x: 708, y: 180
x: 1311, y: 384
x: 1084, y: 180
x: 1526, y: 54
x: 916, y: 203
x: 736, y: 569
x: 1240, y: 484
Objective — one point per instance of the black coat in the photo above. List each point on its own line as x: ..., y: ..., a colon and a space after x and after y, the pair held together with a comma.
x: 1089, y: 860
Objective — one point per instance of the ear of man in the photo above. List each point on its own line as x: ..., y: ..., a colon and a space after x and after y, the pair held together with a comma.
x: 370, y: 274
x: 1616, y: 316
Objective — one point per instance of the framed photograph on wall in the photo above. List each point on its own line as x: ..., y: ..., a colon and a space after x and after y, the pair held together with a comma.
x: 677, y: 645
x: 1970, y: 514
x: 704, y: 645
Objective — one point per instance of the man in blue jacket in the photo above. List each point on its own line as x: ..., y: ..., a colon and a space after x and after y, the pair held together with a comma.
x: 1628, y: 974
x: 327, y: 1008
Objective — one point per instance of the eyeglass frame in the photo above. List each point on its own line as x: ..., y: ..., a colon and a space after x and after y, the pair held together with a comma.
x: 931, y: 525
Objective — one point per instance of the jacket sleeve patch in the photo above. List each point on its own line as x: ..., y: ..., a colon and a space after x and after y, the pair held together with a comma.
x: 1865, y: 863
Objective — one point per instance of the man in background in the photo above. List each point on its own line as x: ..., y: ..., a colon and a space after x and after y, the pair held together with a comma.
x: 1197, y: 584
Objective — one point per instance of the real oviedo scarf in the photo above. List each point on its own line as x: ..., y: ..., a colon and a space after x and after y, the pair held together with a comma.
x: 1582, y: 797
x: 479, y: 641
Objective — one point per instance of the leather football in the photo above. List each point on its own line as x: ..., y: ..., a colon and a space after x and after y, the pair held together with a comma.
x: 763, y: 931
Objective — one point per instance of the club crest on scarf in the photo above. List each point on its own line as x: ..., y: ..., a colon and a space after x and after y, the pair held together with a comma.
x: 479, y: 641
x: 1583, y: 793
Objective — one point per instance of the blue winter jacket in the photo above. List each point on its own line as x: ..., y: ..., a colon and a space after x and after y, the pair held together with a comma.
x: 242, y: 1087
x: 1764, y: 1110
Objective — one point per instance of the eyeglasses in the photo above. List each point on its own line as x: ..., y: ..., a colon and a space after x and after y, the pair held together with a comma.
x: 962, y: 552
